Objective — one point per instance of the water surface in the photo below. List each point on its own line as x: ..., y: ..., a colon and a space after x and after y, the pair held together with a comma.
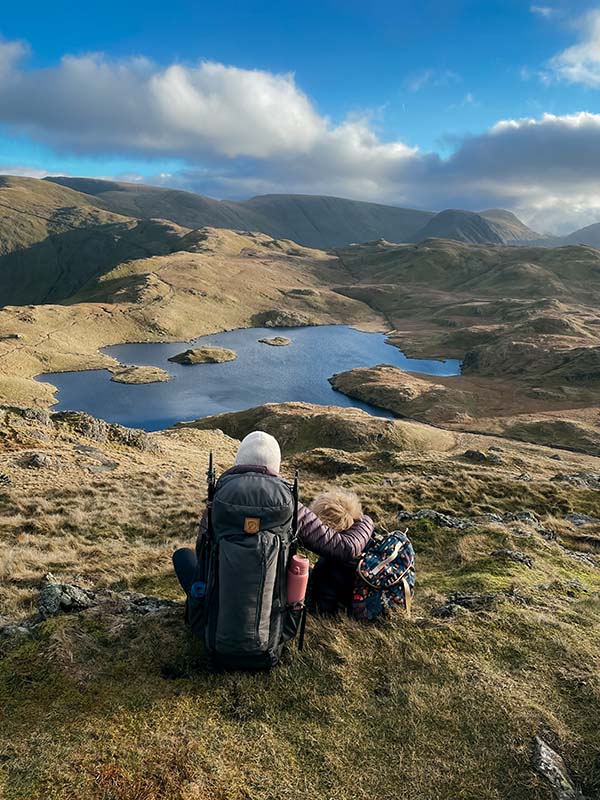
x: 260, y: 374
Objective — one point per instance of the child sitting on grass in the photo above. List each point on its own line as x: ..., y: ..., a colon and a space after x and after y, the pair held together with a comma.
x: 332, y: 580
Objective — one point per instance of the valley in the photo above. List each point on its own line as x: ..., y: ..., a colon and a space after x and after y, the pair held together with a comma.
x: 494, y: 471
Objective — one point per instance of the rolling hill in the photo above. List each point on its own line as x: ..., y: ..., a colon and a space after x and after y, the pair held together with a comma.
x: 311, y: 220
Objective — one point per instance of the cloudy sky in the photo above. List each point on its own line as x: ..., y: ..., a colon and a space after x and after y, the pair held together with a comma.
x: 436, y: 104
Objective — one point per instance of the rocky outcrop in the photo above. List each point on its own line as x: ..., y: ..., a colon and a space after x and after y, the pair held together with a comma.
x: 405, y: 394
x: 548, y: 763
x: 275, y: 318
x: 102, y: 431
x: 204, y: 355
x: 302, y: 426
x: 57, y: 598
x: 276, y: 341
x: 140, y: 375
x: 464, y: 600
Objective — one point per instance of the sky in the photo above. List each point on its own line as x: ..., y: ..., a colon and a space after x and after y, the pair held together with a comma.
x: 432, y: 104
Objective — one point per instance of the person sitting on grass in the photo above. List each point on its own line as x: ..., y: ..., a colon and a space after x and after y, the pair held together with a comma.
x: 343, y: 544
x: 332, y: 579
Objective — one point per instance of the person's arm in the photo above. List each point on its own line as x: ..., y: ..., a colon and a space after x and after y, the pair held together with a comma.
x: 325, y: 541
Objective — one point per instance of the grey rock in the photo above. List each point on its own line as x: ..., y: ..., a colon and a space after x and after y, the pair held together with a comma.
x: 587, y: 479
x: 479, y: 457
x: 39, y: 461
x: 55, y: 597
x: 470, y: 602
x: 4, y: 479
x: 491, y: 517
x: 521, y: 516
x: 101, y: 431
x: 525, y: 476
x: 514, y: 555
x: 582, y: 519
x: 11, y: 631
x: 548, y: 534
x: 585, y: 558
x: 275, y: 318
x: 437, y: 517
x: 551, y: 766
x: 82, y: 423
x: 522, y: 533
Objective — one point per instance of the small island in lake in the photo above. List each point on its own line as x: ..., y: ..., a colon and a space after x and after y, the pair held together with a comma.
x: 139, y: 375
x: 204, y: 355
x: 276, y: 341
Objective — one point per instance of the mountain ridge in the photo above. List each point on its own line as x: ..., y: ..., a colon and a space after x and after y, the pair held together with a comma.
x: 319, y: 221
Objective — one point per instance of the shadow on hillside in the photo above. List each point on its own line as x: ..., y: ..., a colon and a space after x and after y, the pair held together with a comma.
x: 52, y: 270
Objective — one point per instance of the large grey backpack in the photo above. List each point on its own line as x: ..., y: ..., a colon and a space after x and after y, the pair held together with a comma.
x: 243, y: 616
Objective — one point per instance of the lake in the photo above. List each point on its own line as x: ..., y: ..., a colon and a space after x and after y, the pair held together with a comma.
x: 260, y: 374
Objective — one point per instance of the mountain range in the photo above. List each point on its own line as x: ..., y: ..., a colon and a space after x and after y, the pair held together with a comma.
x: 311, y: 220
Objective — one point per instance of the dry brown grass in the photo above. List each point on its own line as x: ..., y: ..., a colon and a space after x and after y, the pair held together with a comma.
x: 108, y: 707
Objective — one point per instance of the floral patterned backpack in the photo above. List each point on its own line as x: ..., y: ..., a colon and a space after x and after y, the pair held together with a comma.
x: 385, y: 576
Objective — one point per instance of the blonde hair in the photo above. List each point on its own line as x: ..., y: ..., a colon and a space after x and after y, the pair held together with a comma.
x: 338, y: 508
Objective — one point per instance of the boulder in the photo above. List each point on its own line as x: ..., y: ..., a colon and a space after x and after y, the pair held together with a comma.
x: 39, y: 461
x: 470, y: 602
x: 55, y: 597
x: 551, y: 766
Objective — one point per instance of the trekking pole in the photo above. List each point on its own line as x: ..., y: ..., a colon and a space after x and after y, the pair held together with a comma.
x: 210, y: 479
x: 295, y: 493
x: 302, y: 629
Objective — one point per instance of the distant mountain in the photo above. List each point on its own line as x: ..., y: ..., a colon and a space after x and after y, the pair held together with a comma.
x: 313, y: 221
x: 461, y: 226
x: 508, y: 224
x: 589, y: 235
x: 317, y: 221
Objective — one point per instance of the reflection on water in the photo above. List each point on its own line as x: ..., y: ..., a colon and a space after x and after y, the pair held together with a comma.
x: 261, y: 374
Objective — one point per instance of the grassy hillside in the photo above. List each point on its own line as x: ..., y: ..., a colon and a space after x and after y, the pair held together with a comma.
x: 511, y: 226
x: 116, y: 704
x: 332, y: 221
x: 53, y: 240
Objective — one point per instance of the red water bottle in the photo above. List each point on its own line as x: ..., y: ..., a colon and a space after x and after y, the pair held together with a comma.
x: 297, y: 580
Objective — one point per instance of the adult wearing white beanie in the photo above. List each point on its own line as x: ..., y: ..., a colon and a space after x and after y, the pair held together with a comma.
x: 260, y: 452
x: 259, y: 449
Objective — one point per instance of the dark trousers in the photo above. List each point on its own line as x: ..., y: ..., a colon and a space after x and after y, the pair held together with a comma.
x: 332, y: 586
x: 185, y: 563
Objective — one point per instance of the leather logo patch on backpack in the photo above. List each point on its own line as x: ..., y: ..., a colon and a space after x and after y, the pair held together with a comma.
x: 251, y: 525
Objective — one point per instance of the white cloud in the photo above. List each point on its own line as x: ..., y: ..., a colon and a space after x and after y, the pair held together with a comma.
x: 25, y: 171
x: 581, y: 62
x: 243, y: 132
x: 543, y: 11
x: 431, y: 77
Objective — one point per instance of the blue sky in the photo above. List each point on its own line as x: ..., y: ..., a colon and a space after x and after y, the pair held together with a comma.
x: 387, y: 101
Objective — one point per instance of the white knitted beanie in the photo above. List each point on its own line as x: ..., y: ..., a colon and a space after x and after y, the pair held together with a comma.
x: 259, y: 449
